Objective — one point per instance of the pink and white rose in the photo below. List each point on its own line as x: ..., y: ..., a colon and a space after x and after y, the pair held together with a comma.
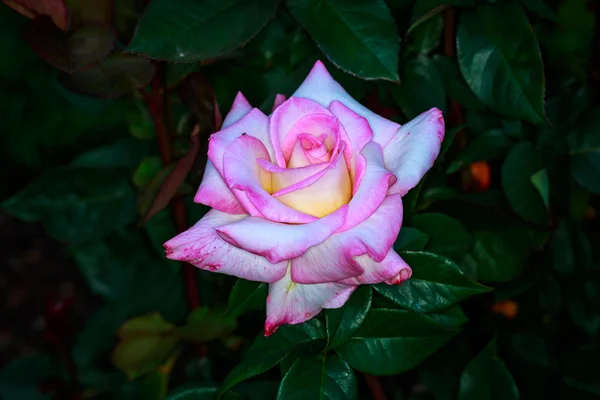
x: 308, y: 199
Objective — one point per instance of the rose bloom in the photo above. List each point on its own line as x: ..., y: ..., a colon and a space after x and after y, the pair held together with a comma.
x: 308, y: 199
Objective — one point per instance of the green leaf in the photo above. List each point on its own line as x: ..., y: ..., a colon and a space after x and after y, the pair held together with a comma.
x: 447, y: 236
x: 488, y: 146
x: 540, y: 8
x: 194, y: 393
x: 266, y: 352
x: 450, y: 318
x: 541, y: 182
x: 486, y: 377
x: 22, y: 377
x: 500, y: 59
x: 343, y: 322
x: 320, y: 376
x: 205, y: 324
x: 436, y: 283
x: 146, y: 170
x: 124, y: 153
x: 521, y: 163
x: 411, y: 239
x: 421, y: 87
x: 426, y: 36
x: 115, y: 76
x: 76, y: 204
x: 246, y: 296
x: 393, y: 341
x: 190, y: 31
x: 454, y: 84
x: 359, y: 37
x: 584, y: 148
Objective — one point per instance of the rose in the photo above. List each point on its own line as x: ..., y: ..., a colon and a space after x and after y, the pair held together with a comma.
x: 308, y: 199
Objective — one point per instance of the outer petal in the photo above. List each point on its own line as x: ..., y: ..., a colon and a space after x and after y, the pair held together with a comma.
x: 293, y: 303
x: 392, y: 270
x: 372, y: 187
x: 336, y: 258
x: 278, y: 242
x: 239, y: 109
x: 279, y: 99
x: 255, y: 124
x: 285, y: 117
x: 203, y: 247
x: 319, y: 86
x: 214, y: 193
x: 411, y: 153
x: 250, y: 183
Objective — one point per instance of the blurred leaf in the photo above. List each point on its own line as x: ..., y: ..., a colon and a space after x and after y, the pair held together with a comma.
x: 584, y: 145
x: 447, y: 236
x: 359, y: 37
x: 55, y: 9
x: 540, y: 8
x: 486, y: 377
x: 97, y: 11
x: 411, y: 239
x: 426, y: 36
x: 449, y: 318
x: 534, y: 349
x: 193, y: 393
x: 266, y: 352
x: 549, y: 293
x: 344, y: 321
x: 454, y: 84
x: 247, y: 295
x: 436, y: 283
x: 197, y: 94
x: 570, y: 248
x: 22, y: 378
x: 319, y: 376
x: 541, y: 183
x: 521, y: 163
x: 500, y: 60
x: 393, y: 341
x: 205, y: 324
x: 124, y: 153
x: 421, y: 87
x: 488, y: 146
x: 189, y: 31
x: 147, y: 169
x: 76, y: 204
x: 581, y: 369
x: 115, y: 76
x: 154, y: 385
x: 422, y: 7
x: 139, y: 122
x: 82, y: 48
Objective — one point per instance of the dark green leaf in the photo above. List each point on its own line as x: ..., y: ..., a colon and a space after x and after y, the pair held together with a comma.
x: 22, y: 378
x: 246, y: 296
x: 452, y: 317
x: 487, y: 146
x: 454, y: 83
x: 393, y: 341
x: 436, y: 283
x: 193, y: 393
x: 320, y: 376
x: 205, y: 324
x: 266, y: 352
x: 521, y: 163
x: 541, y: 182
x: 534, y: 349
x: 421, y: 87
x: 549, y: 293
x: 540, y: 8
x: 125, y: 153
x: 189, y: 31
x: 76, y: 204
x: 359, y: 36
x: 486, y: 377
x: 115, y: 76
x: 343, y: 322
x: 411, y: 239
x: 426, y: 36
x: 447, y: 236
x: 500, y: 60
x: 584, y: 144
x: 581, y: 369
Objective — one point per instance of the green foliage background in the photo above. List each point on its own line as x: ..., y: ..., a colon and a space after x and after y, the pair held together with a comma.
x: 504, y: 301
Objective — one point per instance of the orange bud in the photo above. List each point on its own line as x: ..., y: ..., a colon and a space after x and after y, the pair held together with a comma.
x: 480, y: 175
x: 508, y: 308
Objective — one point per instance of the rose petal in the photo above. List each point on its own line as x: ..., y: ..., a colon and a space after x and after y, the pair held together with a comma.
x: 293, y: 303
x: 214, y: 193
x: 315, y: 125
x: 239, y: 109
x: 319, y: 86
x: 285, y: 117
x: 317, y: 151
x: 372, y: 187
x: 279, y: 99
x: 335, y: 259
x: 251, y: 184
x: 203, y: 247
x: 255, y: 124
x: 411, y: 153
x: 392, y: 268
x: 278, y: 242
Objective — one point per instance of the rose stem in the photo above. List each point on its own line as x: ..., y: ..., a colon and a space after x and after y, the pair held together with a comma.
x: 157, y: 100
x: 375, y: 386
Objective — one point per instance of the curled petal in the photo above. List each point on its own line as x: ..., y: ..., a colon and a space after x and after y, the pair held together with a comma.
x: 278, y: 242
x: 319, y: 86
x: 251, y: 184
x: 239, y: 109
x: 312, y: 125
x: 214, y: 193
x: 309, y: 150
x: 293, y: 303
x: 374, y: 183
x: 202, y: 247
x: 335, y: 259
x: 285, y: 117
x: 255, y: 124
x: 412, y: 151
x: 279, y: 99
x: 392, y: 270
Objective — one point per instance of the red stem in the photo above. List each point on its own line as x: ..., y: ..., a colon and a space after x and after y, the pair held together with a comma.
x: 375, y: 386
